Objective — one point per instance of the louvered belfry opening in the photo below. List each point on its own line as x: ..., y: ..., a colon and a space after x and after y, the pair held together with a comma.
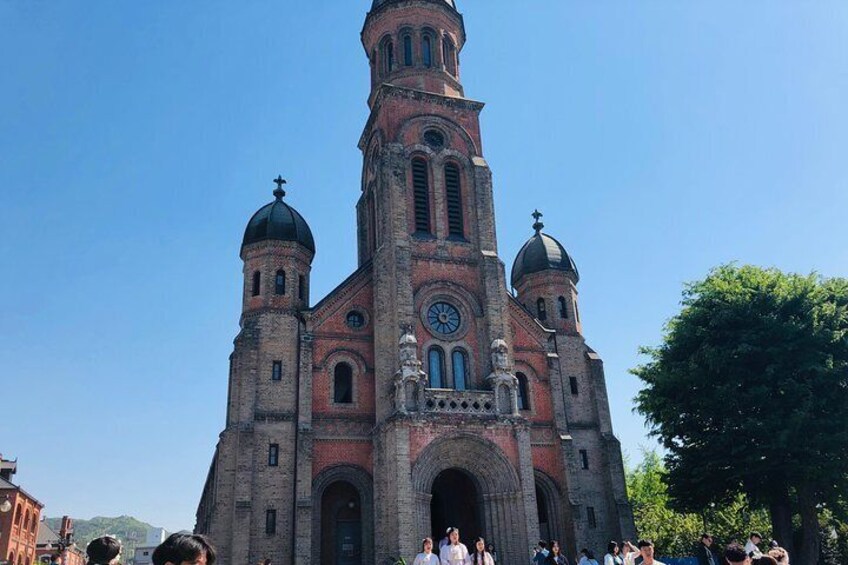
x: 453, y: 195
x: 421, y: 192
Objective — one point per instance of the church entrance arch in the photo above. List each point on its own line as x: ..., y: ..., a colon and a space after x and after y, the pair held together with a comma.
x: 464, y: 478
x: 455, y: 503
x: 342, y: 518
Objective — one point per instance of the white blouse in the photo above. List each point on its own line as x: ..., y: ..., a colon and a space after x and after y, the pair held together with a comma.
x: 454, y: 554
x: 426, y: 559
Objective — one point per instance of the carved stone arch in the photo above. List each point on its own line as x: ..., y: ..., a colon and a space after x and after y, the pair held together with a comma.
x: 531, y: 382
x: 423, y: 121
x: 552, y: 500
x: 496, y: 481
x: 358, y: 367
x: 424, y: 292
x: 362, y: 481
x: 344, y: 353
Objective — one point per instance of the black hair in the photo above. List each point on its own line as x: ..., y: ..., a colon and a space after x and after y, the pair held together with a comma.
x: 183, y: 547
x: 705, y: 535
x: 476, y: 556
x: 735, y: 553
x: 764, y: 560
x: 755, y: 534
x: 102, y: 550
x: 612, y: 546
x: 424, y: 542
x: 543, y: 544
x: 644, y: 543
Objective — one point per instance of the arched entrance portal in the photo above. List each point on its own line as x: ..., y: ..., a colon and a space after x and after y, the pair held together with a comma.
x: 542, y: 510
x: 455, y: 503
x: 341, y: 525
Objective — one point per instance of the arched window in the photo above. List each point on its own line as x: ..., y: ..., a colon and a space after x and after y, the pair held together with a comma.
x: 453, y: 198
x: 257, y: 283
x: 576, y: 313
x: 26, y: 520
x: 563, y: 311
x: 34, y: 522
x: 436, y: 364
x: 541, y: 313
x: 421, y: 195
x: 301, y: 287
x: 449, y: 55
x: 407, y: 50
x: 459, y: 360
x: 18, y: 512
x: 427, y: 50
x: 280, y: 282
x: 343, y: 384
x: 12, y: 557
x: 387, y: 50
x: 523, y: 399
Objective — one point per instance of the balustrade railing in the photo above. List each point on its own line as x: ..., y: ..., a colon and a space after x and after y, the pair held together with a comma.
x: 451, y: 401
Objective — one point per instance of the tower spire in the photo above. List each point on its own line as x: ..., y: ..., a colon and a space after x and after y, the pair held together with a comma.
x: 279, y: 192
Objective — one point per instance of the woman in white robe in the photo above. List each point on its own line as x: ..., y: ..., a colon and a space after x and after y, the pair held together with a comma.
x: 454, y: 553
x: 426, y: 557
x: 480, y: 556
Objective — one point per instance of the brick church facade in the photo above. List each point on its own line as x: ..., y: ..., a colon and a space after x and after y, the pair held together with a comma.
x: 420, y: 393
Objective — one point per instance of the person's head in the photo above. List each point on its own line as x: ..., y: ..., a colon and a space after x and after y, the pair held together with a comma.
x: 266, y: 561
x: 479, y: 545
x: 585, y: 552
x: 542, y: 544
x: 612, y: 548
x: 735, y: 554
x: 773, y: 543
x: 764, y: 560
x: 646, y: 548
x: 755, y: 537
x: 103, y: 550
x: 779, y: 555
x: 553, y: 546
x: 56, y: 559
x: 453, y: 535
x: 184, y: 549
x: 706, y: 539
x: 427, y: 545
x: 490, y: 548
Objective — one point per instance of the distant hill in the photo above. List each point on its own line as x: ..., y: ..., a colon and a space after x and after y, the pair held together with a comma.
x: 130, y: 531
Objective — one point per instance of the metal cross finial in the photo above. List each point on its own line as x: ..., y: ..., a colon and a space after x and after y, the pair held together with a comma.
x: 279, y: 192
x: 538, y: 225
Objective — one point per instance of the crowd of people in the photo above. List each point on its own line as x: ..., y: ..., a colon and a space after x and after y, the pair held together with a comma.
x: 194, y: 549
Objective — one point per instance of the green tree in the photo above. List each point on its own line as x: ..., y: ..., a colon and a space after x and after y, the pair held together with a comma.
x: 676, y: 533
x: 747, y: 393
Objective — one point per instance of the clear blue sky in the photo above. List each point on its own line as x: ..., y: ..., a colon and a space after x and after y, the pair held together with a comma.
x: 659, y: 138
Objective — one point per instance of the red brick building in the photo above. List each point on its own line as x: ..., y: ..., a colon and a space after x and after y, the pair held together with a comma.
x: 19, y: 525
x: 52, y: 543
x: 421, y: 392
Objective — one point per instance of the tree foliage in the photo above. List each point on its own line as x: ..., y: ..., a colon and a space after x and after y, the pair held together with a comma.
x: 747, y: 392
x: 676, y: 533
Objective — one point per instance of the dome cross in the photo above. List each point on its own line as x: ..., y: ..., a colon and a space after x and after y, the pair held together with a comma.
x: 538, y: 225
x: 279, y: 192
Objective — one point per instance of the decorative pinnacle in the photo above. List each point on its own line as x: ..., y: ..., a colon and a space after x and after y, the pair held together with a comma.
x: 279, y: 192
x: 538, y: 225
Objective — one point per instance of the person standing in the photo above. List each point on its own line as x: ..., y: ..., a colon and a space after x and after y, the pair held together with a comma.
x: 646, y: 552
x: 426, y: 557
x: 704, y: 552
x: 555, y: 557
x: 541, y: 553
x: 613, y: 556
x: 480, y: 556
x: 735, y: 555
x: 105, y: 550
x: 184, y: 549
x: 752, y: 547
x: 491, y: 549
x: 454, y: 553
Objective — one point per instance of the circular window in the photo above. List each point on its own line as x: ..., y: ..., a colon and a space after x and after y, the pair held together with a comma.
x: 355, y: 319
x: 443, y: 318
x: 434, y: 139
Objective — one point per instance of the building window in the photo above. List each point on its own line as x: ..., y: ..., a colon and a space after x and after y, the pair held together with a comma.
x: 584, y: 459
x: 541, y: 312
x: 343, y: 384
x: 257, y: 283
x: 453, y: 197
x: 576, y: 313
x: 449, y: 54
x: 563, y: 311
x: 407, y: 50
x: 388, y: 52
x: 459, y: 360
x: 436, y: 364
x: 421, y: 195
x: 26, y: 520
x: 355, y: 319
x: 427, y: 50
x: 590, y: 517
x: 301, y: 287
x: 280, y: 282
x: 572, y: 382
x: 523, y: 400
x: 277, y: 371
x: 273, y: 455
x: 18, y: 512
x: 270, y: 522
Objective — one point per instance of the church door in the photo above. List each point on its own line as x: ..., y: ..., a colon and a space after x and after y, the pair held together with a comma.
x: 341, y: 525
x: 455, y: 503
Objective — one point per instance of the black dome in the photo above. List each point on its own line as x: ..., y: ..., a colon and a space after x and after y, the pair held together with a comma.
x: 278, y: 221
x: 377, y: 3
x: 540, y: 253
